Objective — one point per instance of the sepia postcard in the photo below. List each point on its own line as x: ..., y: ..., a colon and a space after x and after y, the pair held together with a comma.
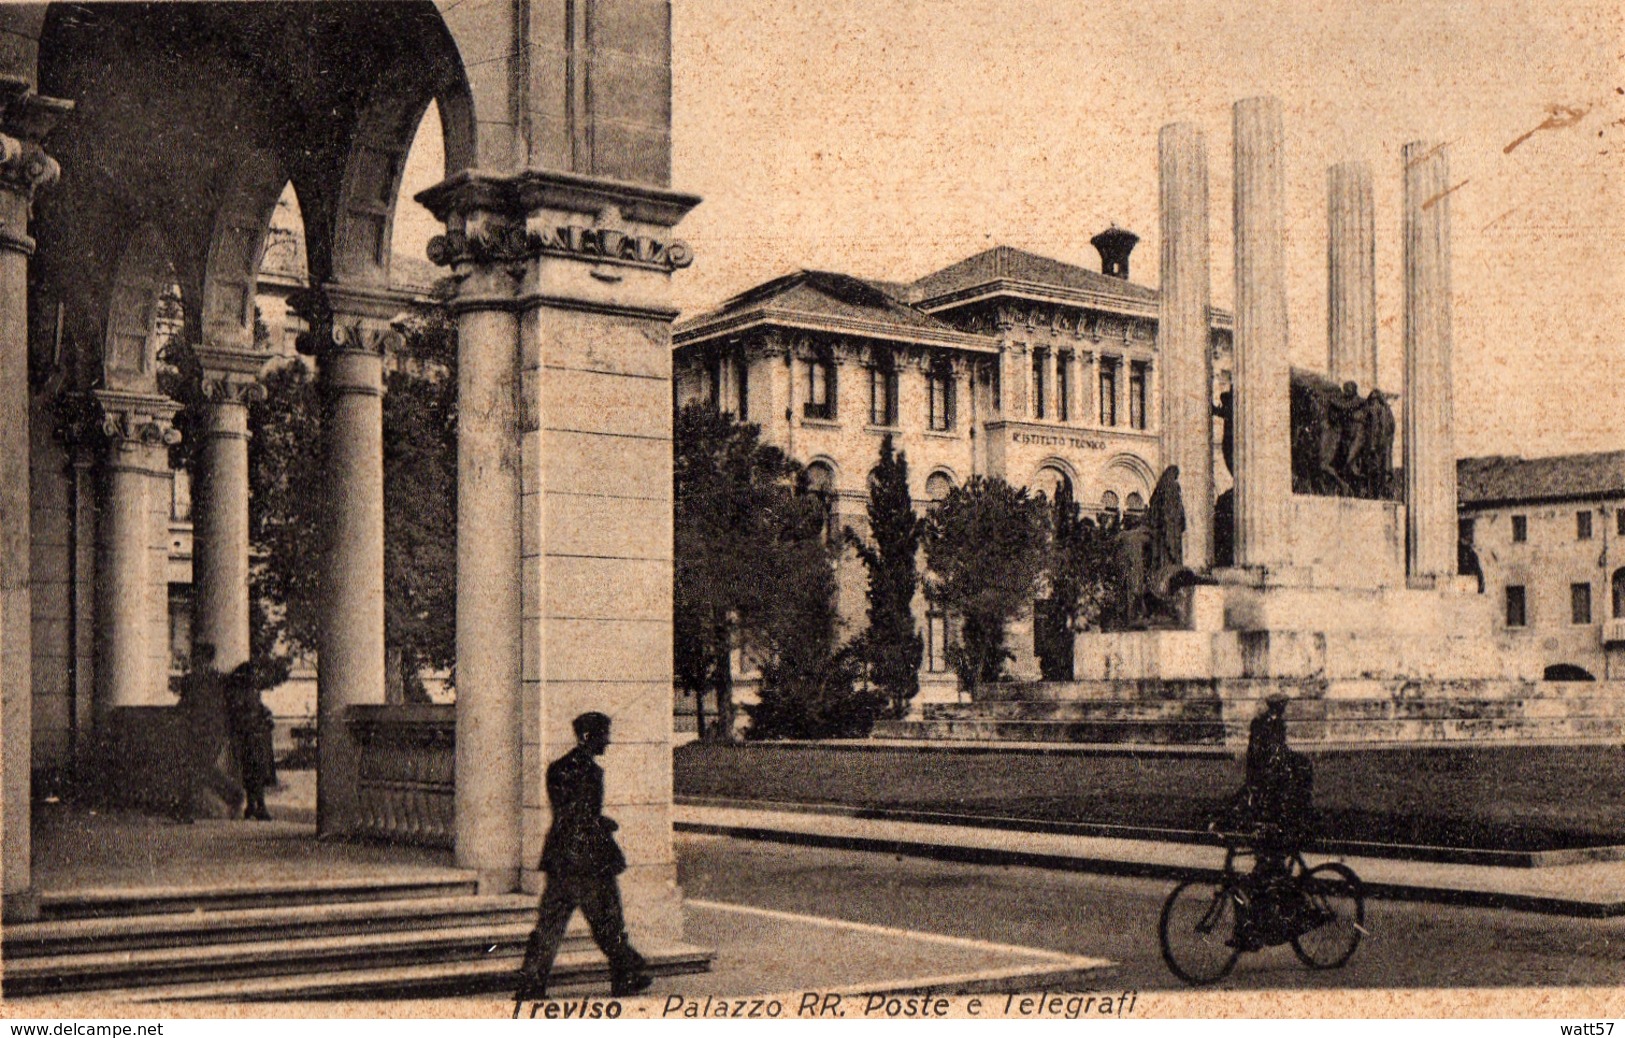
x: 903, y: 510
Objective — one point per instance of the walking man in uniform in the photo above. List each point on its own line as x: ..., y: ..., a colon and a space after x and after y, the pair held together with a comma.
x: 580, y: 861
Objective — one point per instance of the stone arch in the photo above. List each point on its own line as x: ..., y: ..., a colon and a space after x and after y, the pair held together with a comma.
x: 1126, y: 472
x: 364, y: 204
x: 237, y: 247
x: 1050, y: 472
x: 1109, y: 502
x: 940, y: 483
x: 135, y: 323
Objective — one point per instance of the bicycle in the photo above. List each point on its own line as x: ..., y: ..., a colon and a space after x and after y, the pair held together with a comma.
x: 1207, y: 924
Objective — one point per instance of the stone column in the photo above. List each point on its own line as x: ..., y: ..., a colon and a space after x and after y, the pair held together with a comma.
x: 1351, y: 279
x: 24, y: 168
x: 1430, y: 458
x: 220, y: 507
x: 565, y: 592
x: 1262, y: 437
x: 350, y: 636
x: 1182, y: 331
x: 1052, y: 384
x: 131, y: 669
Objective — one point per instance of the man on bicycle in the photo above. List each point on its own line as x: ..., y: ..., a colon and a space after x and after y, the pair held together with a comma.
x: 1279, y: 802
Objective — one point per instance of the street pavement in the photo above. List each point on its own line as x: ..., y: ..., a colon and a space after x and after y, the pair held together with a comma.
x: 1411, y: 945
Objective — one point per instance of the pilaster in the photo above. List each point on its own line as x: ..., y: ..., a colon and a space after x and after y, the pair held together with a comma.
x: 565, y: 592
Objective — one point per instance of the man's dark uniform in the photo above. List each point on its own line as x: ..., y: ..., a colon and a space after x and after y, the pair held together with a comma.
x: 580, y: 860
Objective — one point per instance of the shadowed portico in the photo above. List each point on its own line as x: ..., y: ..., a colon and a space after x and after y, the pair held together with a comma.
x: 187, y: 122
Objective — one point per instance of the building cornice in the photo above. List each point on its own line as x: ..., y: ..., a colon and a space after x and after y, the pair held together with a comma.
x: 704, y: 330
x: 1038, y: 292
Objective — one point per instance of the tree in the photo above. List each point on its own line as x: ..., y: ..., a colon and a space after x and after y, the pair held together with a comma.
x: 891, y: 647
x: 420, y: 490
x: 1081, y: 581
x: 753, y: 571
x: 985, y: 549
x: 727, y: 486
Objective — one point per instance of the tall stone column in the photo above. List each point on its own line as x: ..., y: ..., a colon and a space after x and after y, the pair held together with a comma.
x: 1182, y: 331
x: 350, y: 637
x: 220, y: 504
x: 1430, y: 457
x: 24, y: 168
x: 1263, y: 427
x: 565, y: 589
x: 1351, y: 278
x: 132, y: 666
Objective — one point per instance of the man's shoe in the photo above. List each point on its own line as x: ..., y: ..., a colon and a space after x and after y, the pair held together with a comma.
x: 632, y: 984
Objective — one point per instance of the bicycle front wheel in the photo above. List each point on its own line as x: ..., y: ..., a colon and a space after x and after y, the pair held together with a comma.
x: 1198, y: 929
x: 1334, y: 902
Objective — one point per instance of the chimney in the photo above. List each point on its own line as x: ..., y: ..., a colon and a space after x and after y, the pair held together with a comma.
x: 1114, y: 244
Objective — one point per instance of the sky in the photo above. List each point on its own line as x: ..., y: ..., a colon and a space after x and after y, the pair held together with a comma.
x: 889, y: 138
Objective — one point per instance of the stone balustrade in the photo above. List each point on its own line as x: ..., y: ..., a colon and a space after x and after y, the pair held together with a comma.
x: 405, y: 767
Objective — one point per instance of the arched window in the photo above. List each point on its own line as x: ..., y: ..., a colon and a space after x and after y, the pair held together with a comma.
x: 821, y: 484
x: 1050, y: 480
x: 1135, y: 503
x: 1108, y: 502
x: 1619, y: 593
x: 938, y: 485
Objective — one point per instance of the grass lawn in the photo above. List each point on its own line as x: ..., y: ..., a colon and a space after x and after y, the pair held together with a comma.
x: 1504, y: 798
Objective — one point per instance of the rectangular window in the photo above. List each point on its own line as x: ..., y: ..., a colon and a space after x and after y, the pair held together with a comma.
x: 1136, y: 396
x: 940, y: 406
x: 1466, y: 564
x: 1517, y: 615
x: 742, y: 389
x: 882, y: 396
x: 1580, y: 603
x: 1040, y: 358
x: 1063, y: 388
x: 820, y: 390
x: 1108, y: 392
x: 180, y: 626
x: 1520, y: 529
x: 1582, y: 525
x: 1619, y: 521
x: 936, y: 642
x: 713, y: 383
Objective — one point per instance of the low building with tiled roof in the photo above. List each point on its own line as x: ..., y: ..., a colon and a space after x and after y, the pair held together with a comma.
x: 1005, y: 364
x: 1548, y: 537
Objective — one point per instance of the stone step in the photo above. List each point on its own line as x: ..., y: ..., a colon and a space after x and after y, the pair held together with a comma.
x: 579, y: 963
x: 179, y: 964
x: 1165, y: 732
x: 1074, y: 710
x: 123, y: 901
x: 128, y: 933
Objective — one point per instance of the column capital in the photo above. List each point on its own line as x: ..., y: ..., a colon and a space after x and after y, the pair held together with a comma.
x: 558, y: 240
x: 130, y: 421
x: 26, y: 118
x: 230, y: 374
x: 341, y: 321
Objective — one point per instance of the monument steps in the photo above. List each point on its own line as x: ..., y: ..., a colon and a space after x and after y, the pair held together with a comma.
x: 1217, y: 713
x: 296, y: 944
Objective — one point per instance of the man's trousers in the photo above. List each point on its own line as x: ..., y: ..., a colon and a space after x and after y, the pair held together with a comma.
x: 599, y: 899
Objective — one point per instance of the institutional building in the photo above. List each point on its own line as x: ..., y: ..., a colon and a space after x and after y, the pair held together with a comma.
x: 1005, y: 364
x: 1549, y: 539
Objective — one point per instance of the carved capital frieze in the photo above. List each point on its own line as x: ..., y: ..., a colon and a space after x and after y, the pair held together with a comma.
x: 493, y: 240
x: 133, y: 420
x: 25, y: 119
x: 231, y: 375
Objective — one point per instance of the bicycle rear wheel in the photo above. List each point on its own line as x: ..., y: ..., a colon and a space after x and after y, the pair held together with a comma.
x: 1198, y: 920
x: 1335, y: 903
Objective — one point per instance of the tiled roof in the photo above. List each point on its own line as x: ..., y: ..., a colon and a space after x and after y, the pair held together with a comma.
x: 1503, y: 478
x: 1003, y: 263
x: 822, y: 293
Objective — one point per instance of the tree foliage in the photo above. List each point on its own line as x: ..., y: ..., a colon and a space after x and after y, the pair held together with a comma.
x: 1081, y: 578
x: 420, y: 493
x: 891, y: 646
x: 986, y: 548
x: 752, y: 570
